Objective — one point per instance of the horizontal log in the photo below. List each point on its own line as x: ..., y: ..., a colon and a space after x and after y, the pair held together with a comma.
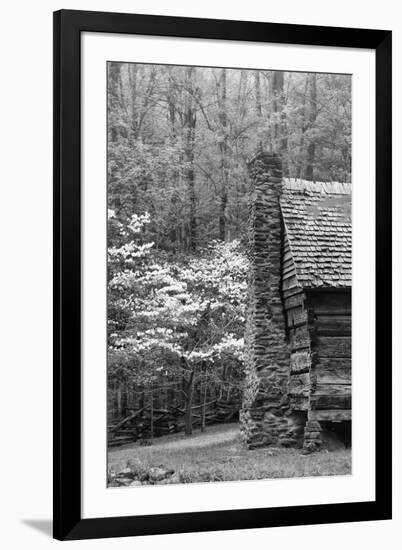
x: 299, y: 384
x: 299, y: 403
x: 330, y: 415
x: 160, y: 418
x: 330, y: 301
x: 289, y: 283
x: 291, y: 292
x: 299, y: 338
x: 333, y: 389
x: 333, y: 346
x: 296, y: 317
x: 331, y: 371
x: 331, y: 402
x: 330, y: 377
x: 182, y: 411
x: 294, y: 301
x: 125, y: 420
x: 332, y: 311
x: 331, y: 396
x: 334, y: 363
x: 300, y: 361
x: 333, y: 325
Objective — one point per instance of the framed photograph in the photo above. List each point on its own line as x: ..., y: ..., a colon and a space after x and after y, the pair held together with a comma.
x: 219, y: 189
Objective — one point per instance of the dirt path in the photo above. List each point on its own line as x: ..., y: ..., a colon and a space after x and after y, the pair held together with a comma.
x: 219, y: 455
x: 215, y: 435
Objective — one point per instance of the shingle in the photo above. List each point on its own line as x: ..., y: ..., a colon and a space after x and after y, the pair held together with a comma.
x: 318, y: 224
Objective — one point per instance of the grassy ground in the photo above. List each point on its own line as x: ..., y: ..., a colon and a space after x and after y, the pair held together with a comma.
x: 218, y: 455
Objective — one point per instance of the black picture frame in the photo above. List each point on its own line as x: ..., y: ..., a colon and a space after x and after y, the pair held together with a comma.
x: 68, y: 26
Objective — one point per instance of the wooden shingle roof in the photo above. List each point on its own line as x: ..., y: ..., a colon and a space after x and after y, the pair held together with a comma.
x: 317, y: 220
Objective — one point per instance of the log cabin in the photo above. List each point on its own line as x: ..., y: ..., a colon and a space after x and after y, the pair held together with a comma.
x: 298, y: 333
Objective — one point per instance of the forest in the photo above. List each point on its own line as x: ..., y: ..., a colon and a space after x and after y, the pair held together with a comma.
x: 179, y: 139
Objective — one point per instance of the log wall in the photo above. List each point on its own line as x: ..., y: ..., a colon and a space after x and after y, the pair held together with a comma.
x: 294, y: 300
x: 329, y: 319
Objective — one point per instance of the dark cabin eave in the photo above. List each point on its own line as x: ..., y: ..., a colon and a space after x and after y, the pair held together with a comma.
x: 327, y: 289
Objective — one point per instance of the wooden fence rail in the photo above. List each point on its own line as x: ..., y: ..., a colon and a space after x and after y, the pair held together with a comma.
x: 148, y: 422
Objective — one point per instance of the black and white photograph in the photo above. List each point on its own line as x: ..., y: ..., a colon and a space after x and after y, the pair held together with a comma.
x: 201, y: 275
x: 229, y: 236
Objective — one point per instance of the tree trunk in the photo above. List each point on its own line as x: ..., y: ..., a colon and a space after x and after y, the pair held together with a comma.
x: 257, y: 81
x: 113, y: 97
x: 190, y: 119
x: 241, y: 103
x: 151, y: 408
x: 132, y: 77
x: 277, y: 100
x: 189, y: 404
x: 310, y: 153
x: 147, y: 98
x: 300, y: 169
x: 118, y: 400
x: 204, y: 400
x: 173, y: 98
x: 223, y: 147
x: 280, y: 142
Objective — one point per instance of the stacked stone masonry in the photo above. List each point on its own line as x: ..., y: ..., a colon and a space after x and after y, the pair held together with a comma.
x: 266, y: 416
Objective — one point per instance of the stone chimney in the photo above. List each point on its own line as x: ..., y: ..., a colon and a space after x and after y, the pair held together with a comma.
x: 266, y: 416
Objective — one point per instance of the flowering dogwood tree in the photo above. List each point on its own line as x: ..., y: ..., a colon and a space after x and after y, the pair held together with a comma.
x: 176, y: 318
